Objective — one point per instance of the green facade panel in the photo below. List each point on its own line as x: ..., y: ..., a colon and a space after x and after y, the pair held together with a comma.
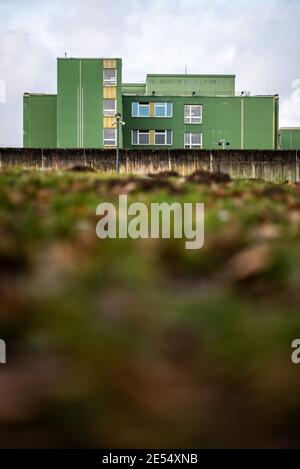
x: 244, y: 122
x: 289, y: 138
x: 39, y: 121
x: 260, y: 122
x: 134, y: 88
x: 79, y: 103
x: 120, y: 97
x: 92, y: 103
x: 201, y: 85
x: 67, y: 103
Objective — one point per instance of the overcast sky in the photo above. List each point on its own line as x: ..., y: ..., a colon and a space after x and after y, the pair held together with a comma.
x: 258, y: 40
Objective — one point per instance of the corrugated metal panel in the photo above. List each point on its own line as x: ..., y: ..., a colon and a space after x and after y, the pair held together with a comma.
x: 26, y: 141
x: 110, y: 92
x: 290, y: 138
x: 259, y: 123
x: 80, y: 104
x: 92, y: 103
x: 152, y: 137
x: 151, y: 109
x: 134, y: 88
x: 201, y: 85
x: 108, y: 122
x: 67, y: 103
x: 109, y: 63
x: 39, y: 121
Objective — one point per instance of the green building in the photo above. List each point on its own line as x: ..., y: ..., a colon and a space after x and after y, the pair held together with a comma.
x: 39, y: 120
x: 167, y: 111
x: 289, y: 138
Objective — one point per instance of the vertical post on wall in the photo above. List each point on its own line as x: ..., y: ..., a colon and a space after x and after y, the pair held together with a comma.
x: 210, y: 161
x: 118, y: 116
x: 117, y: 124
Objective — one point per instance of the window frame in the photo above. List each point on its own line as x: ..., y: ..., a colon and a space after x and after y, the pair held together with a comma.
x: 108, y: 139
x: 190, y: 117
x: 191, y: 145
x: 140, y: 104
x: 165, y: 105
x: 165, y: 132
x: 138, y: 137
x: 105, y: 110
x: 109, y: 81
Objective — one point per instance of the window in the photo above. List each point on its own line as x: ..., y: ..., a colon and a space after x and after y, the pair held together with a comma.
x: 163, y: 109
x: 109, y: 77
x: 193, y: 114
x: 192, y: 140
x: 109, y: 137
x: 109, y: 107
x: 140, y: 109
x: 140, y: 137
x: 163, y: 137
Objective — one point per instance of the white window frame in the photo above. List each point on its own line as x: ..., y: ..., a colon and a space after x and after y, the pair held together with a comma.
x: 110, y: 140
x: 138, y: 137
x: 165, y: 105
x: 190, y: 117
x: 105, y: 111
x: 191, y: 145
x: 110, y: 81
x: 140, y: 104
x: 165, y: 132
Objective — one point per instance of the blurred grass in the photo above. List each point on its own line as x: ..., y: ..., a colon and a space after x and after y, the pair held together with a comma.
x: 141, y: 343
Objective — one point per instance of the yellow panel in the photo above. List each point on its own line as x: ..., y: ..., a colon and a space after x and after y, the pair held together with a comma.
x: 110, y: 92
x: 152, y: 109
x: 109, y: 63
x: 152, y: 139
x: 108, y: 122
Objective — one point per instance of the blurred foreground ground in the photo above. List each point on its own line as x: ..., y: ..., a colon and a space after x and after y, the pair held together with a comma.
x: 141, y: 343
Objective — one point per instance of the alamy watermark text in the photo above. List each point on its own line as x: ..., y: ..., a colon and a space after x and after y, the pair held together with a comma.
x: 162, y: 220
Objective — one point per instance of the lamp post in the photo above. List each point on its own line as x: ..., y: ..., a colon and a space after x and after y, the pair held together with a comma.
x: 223, y: 143
x: 117, y: 123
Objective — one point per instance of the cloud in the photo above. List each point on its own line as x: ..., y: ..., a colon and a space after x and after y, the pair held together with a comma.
x: 258, y: 41
x: 290, y: 108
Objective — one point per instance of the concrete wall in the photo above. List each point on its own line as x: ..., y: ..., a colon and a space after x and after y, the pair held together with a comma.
x: 272, y: 165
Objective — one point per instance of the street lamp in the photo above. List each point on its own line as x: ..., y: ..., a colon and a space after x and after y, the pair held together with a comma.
x: 223, y: 143
x: 117, y: 123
